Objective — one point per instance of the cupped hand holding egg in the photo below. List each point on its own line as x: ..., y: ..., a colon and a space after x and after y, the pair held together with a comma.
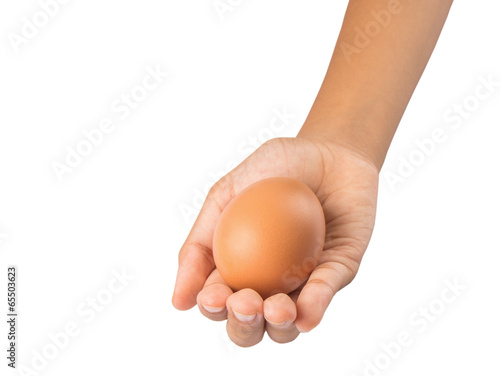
x: 256, y: 236
x: 269, y: 237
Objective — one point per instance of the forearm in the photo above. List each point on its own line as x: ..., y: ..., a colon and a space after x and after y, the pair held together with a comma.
x: 375, y: 68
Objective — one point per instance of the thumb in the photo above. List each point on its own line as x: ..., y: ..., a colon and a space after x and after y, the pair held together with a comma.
x: 195, y: 257
x: 335, y: 271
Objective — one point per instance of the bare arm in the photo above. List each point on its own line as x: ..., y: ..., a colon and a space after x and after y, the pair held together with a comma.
x: 381, y: 52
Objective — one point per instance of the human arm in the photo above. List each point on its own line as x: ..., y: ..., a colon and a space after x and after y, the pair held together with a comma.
x: 338, y: 153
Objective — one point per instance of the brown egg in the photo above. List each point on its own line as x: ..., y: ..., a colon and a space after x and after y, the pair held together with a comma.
x: 270, y: 236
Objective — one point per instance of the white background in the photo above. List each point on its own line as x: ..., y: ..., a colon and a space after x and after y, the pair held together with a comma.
x: 122, y: 206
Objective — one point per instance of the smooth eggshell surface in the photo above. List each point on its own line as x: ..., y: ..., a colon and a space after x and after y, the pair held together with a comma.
x: 270, y: 236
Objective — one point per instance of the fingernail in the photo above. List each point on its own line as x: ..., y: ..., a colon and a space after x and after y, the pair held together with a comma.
x: 211, y: 309
x: 281, y: 324
x: 244, y: 318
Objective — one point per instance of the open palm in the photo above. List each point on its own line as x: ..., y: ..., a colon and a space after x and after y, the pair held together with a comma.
x: 346, y: 185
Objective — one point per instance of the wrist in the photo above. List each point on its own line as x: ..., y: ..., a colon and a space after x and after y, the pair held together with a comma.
x: 358, y: 132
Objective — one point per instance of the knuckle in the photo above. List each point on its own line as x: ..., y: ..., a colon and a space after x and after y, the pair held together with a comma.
x: 283, y: 337
x: 273, y: 143
x: 244, y: 337
x: 222, y: 187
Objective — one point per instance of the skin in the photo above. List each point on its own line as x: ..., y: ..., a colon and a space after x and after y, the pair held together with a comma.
x: 338, y: 153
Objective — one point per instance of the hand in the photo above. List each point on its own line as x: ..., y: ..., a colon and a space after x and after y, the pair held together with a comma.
x: 344, y: 181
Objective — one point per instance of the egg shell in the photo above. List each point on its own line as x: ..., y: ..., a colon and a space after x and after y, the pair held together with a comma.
x: 270, y: 236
